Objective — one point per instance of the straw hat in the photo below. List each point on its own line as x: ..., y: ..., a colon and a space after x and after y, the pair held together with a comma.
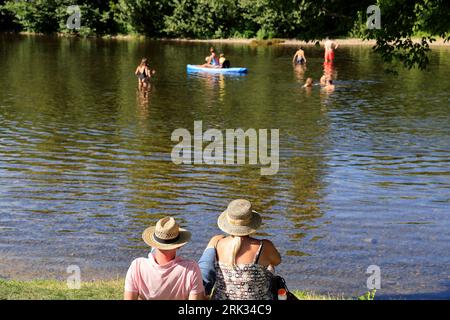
x: 239, y: 219
x: 166, y: 235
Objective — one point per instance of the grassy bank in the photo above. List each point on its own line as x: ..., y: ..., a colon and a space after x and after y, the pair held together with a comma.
x: 94, y: 290
x: 58, y: 290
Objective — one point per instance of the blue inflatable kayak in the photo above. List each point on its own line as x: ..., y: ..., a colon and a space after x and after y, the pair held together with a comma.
x: 198, y: 68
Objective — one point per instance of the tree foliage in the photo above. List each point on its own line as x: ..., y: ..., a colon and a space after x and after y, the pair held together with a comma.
x: 141, y: 16
x: 204, y: 19
x: 404, y: 19
x: 7, y: 19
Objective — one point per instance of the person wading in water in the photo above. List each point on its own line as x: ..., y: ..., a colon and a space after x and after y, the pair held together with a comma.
x: 143, y: 72
x: 330, y: 46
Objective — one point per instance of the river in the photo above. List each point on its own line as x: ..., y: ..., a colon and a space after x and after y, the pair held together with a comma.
x: 85, y: 166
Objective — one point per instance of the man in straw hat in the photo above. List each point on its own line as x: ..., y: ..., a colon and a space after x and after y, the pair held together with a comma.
x: 164, y: 275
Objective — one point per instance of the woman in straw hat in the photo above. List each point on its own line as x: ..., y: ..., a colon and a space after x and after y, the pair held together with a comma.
x: 242, y: 262
x: 164, y: 275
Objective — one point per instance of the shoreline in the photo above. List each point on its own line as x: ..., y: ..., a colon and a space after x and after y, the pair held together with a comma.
x: 251, y: 41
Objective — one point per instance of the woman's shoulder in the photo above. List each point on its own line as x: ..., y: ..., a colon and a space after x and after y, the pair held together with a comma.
x: 268, y: 244
x: 214, y: 240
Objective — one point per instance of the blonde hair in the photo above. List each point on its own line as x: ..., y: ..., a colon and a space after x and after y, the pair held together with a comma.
x: 144, y: 62
x: 237, y: 242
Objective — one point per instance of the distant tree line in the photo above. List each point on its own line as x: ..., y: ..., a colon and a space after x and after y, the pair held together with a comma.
x: 301, y: 19
x: 187, y: 18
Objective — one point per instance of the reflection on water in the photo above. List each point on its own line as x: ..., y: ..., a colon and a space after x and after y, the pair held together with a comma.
x: 85, y: 160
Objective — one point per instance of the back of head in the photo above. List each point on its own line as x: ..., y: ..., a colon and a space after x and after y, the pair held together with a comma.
x: 144, y: 62
x: 238, y: 220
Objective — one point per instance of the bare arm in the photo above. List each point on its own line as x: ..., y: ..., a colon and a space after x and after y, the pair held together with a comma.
x: 130, y: 295
x: 295, y: 56
x: 137, y: 70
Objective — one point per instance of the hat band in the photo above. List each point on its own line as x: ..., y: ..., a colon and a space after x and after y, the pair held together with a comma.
x: 239, y: 222
x: 166, y: 241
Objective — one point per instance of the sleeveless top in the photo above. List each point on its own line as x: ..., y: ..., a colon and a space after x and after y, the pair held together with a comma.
x: 142, y: 75
x: 214, y: 61
x: 250, y: 281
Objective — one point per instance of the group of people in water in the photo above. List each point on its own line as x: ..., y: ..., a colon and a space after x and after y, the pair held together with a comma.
x: 326, y: 81
x: 234, y: 265
x: 144, y: 73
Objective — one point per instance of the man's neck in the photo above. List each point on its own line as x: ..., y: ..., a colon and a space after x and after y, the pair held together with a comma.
x: 163, y: 257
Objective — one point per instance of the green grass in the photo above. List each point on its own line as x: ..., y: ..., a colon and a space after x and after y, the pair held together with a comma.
x: 303, y: 295
x: 93, y: 290
x: 58, y: 290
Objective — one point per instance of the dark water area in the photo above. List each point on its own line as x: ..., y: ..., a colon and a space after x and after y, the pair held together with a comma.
x: 85, y: 162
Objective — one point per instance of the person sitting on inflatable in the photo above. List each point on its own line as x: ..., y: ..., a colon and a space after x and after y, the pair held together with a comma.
x: 212, y: 61
x: 224, y: 63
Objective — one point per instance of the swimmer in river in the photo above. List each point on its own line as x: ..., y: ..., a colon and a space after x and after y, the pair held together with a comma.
x: 223, y: 62
x: 329, y: 85
x: 330, y: 46
x: 323, y: 80
x: 308, y: 83
x: 143, y: 72
x: 299, y: 57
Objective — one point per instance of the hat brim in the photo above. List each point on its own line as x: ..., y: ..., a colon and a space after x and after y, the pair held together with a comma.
x: 240, y: 231
x: 148, y: 237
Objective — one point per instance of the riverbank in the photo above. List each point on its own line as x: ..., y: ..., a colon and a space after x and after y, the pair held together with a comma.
x: 251, y: 41
x: 92, y: 290
x: 286, y: 42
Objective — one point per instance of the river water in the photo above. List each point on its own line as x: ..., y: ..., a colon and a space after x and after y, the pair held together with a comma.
x: 85, y: 164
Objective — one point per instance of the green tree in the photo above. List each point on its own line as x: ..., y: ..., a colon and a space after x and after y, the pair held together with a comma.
x: 401, y: 21
x: 203, y: 19
x: 7, y: 19
x: 142, y: 16
x: 97, y: 18
x: 34, y: 16
x: 49, y: 16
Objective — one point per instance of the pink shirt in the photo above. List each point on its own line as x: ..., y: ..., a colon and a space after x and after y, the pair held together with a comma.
x: 174, y: 280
